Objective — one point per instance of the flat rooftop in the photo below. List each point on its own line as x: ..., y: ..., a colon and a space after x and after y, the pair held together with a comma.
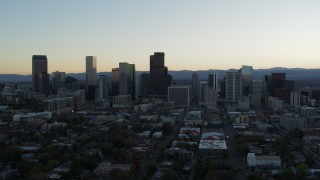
x: 213, y: 144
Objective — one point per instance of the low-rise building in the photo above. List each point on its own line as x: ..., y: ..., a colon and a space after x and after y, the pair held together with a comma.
x: 290, y: 122
x: 274, y: 103
x: 273, y: 161
x: 240, y: 120
x: 212, y: 148
x: 121, y: 101
x: 31, y: 116
x: 306, y: 111
x: 194, y: 118
x: 104, y: 168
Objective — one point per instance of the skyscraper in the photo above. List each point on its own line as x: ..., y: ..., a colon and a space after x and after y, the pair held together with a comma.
x: 202, y: 86
x: 91, y: 76
x: 40, y: 76
x: 211, y: 91
x: 127, y: 79
x: 58, y: 79
x: 144, y: 85
x: 295, y: 99
x: 247, y: 72
x: 91, y: 70
x: 179, y: 94
x: 247, y: 77
x: 115, y: 81
x: 277, y: 81
x: 213, y: 81
x: 102, y: 92
x: 159, y: 78
x: 233, y: 86
x: 195, y: 84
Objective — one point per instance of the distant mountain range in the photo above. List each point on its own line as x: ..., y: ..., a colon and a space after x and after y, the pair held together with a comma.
x: 292, y: 73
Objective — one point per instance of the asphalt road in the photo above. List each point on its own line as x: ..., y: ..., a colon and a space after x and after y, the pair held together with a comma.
x: 238, y: 161
x: 156, y: 151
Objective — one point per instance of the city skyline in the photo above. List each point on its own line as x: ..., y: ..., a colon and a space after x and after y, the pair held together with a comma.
x: 216, y: 35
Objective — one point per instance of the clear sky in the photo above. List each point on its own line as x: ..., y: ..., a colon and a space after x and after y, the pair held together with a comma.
x: 195, y: 35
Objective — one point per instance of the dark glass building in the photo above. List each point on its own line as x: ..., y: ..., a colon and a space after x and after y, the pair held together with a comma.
x: 115, y: 81
x: 159, y: 78
x: 144, y: 85
x: 40, y: 76
x: 127, y: 79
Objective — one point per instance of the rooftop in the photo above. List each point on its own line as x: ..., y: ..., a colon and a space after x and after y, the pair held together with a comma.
x: 213, y: 144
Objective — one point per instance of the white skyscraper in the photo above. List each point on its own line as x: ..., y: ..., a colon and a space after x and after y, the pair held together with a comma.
x: 102, y: 92
x: 295, y: 98
x: 91, y: 70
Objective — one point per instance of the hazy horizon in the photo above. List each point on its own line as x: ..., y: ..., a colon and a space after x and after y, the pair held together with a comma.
x: 137, y: 70
x: 194, y: 35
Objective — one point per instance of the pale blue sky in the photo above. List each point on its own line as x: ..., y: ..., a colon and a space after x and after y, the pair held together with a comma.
x: 195, y: 35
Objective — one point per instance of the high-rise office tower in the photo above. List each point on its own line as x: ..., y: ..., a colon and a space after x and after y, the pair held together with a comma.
x: 144, y: 85
x: 280, y: 87
x: 91, y: 70
x: 91, y: 77
x: 132, y: 81
x: 213, y: 81
x: 233, y: 86
x: 277, y: 81
x: 44, y: 83
x: 295, y: 99
x: 137, y: 87
x: 195, y: 84
x: 40, y: 76
x: 211, y: 91
x: 58, y: 80
x: 179, y: 95
x: 115, y: 81
x: 127, y: 79
x: 102, y: 92
x: 247, y: 72
x: 159, y: 78
x: 257, y: 87
x: 202, y: 86
x: 222, y: 93
x: 266, y: 86
x: 247, y: 77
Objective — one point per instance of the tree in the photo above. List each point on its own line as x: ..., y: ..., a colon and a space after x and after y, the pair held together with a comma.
x: 210, y: 176
x: 281, y: 146
x: 151, y: 169
x: 242, y: 146
x: 51, y: 164
x: 76, y: 168
x: 295, y: 134
x: 202, y: 168
x: 117, y: 174
x: 133, y: 170
x: 166, y: 128
x: 119, y: 154
x: 168, y: 175
x: 38, y: 176
x: 253, y: 176
x: 302, y: 171
x: 287, y: 174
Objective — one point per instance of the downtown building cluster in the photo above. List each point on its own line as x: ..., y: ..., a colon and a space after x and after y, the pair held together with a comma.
x: 237, y: 88
x: 134, y: 125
